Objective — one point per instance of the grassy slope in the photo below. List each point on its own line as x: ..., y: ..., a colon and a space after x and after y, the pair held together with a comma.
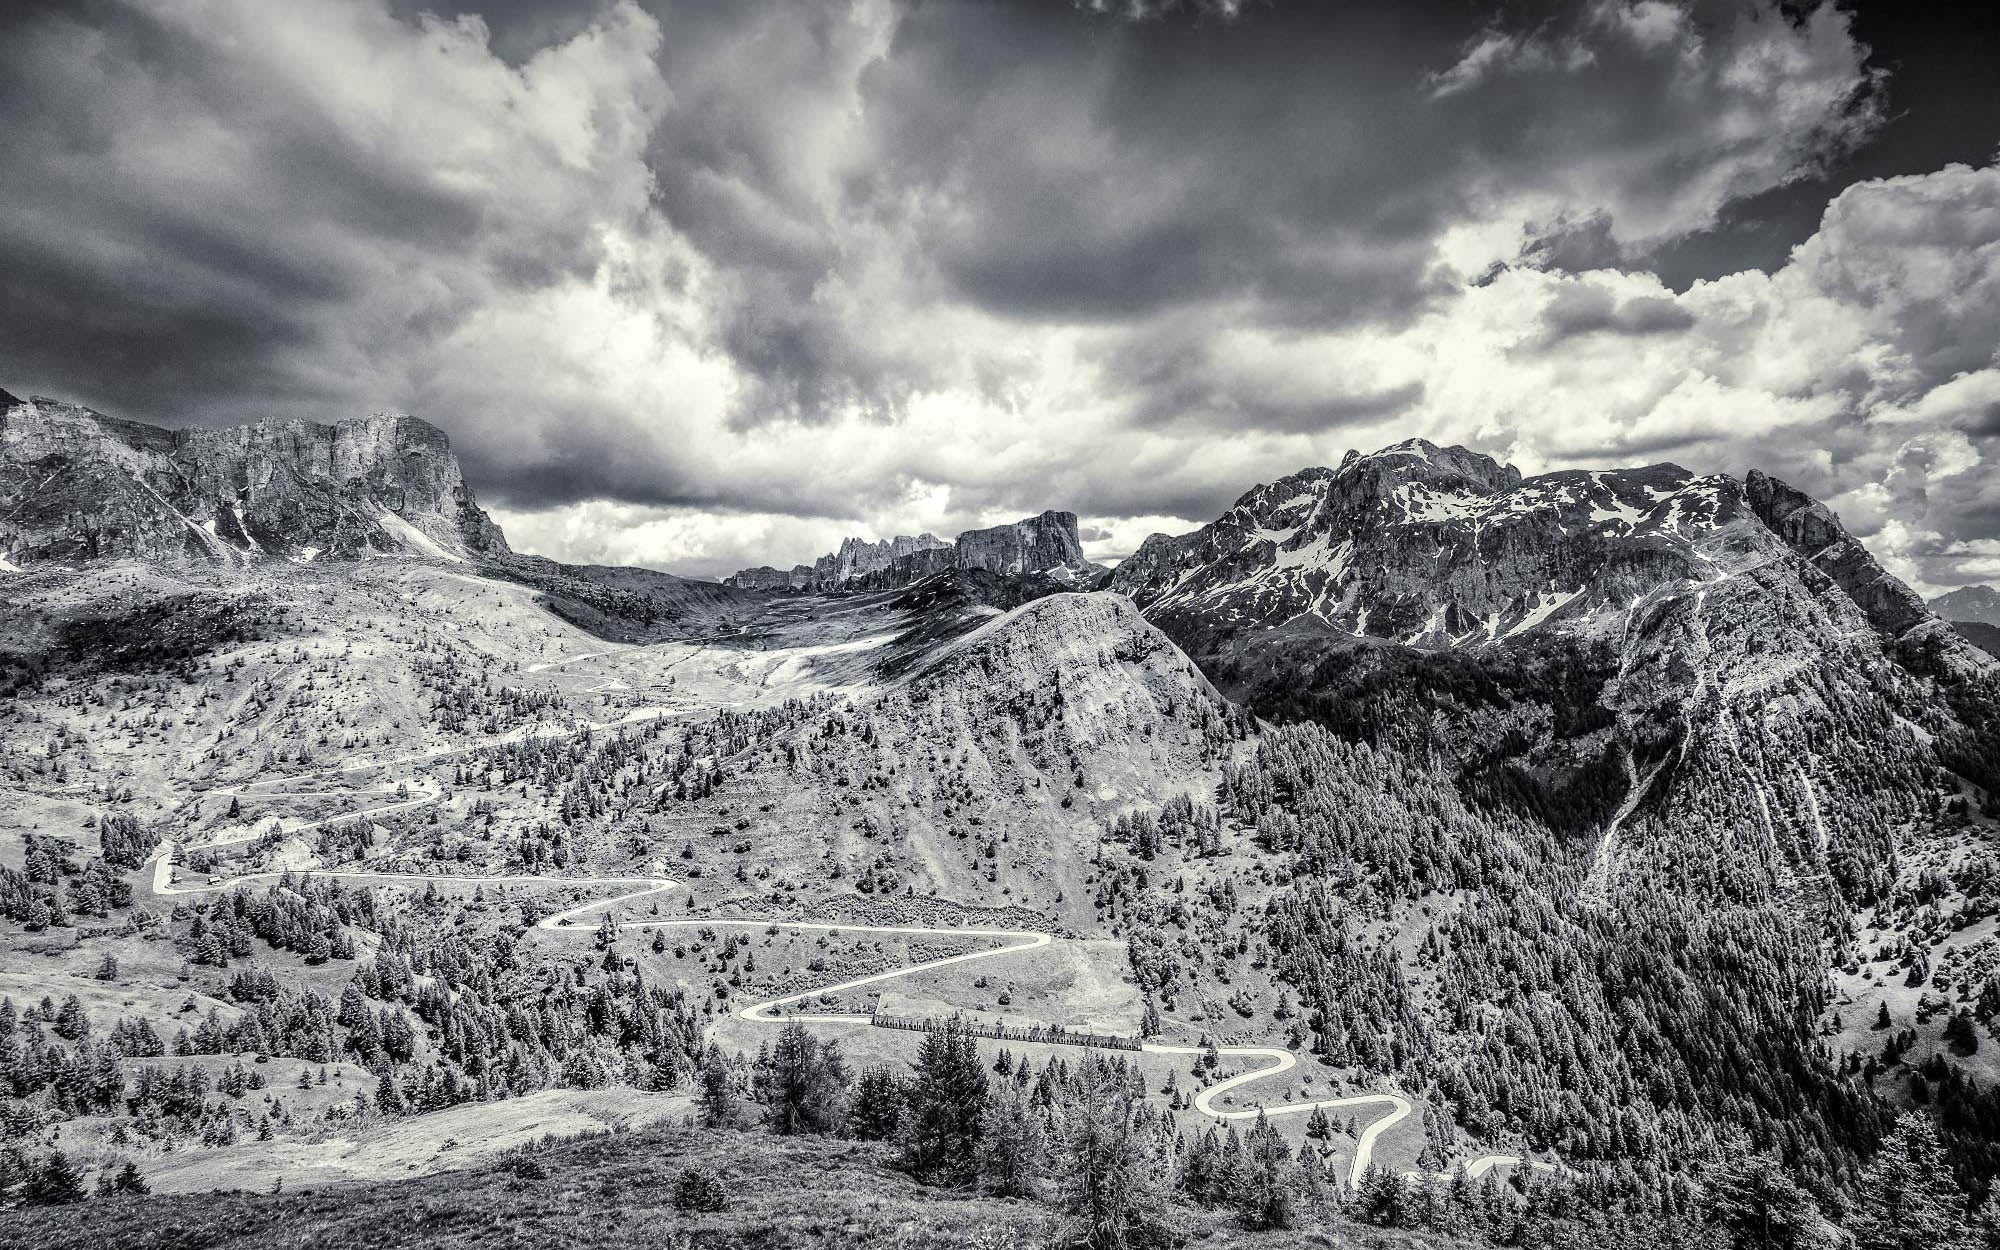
x: 611, y: 1191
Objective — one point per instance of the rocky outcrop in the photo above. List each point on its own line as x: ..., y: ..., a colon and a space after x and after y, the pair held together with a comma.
x: 1811, y: 530
x: 858, y: 558
x: 1040, y: 544
x: 764, y: 577
x: 1047, y: 545
x: 77, y: 485
x: 1432, y: 547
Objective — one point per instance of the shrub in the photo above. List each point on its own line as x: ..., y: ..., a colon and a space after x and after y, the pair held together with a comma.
x: 698, y: 1189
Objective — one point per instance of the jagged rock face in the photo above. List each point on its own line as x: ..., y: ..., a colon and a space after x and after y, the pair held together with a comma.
x: 1041, y: 544
x: 77, y: 485
x: 1045, y: 544
x: 1438, y: 547
x: 1815, y: 534
x: 764, y: 577
x: 858, y: 558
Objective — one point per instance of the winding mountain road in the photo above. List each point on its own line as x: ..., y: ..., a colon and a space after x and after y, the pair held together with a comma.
x: 1277, y: 1060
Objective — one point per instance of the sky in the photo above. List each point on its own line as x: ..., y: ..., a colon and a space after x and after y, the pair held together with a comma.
x: 708, y: 285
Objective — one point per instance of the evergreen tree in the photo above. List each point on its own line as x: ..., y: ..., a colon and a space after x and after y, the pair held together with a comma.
x: 72, y: 1023
x: 1012, y: 1144
x: 53, y: 1183
x: 1960, y: 1034
x: 1762, y: 1208
x: 877, y: 1105
x: 1201, y: 1175
x: 1112, y: 1162
x: 1380, y: 1198
x: 943, y: 1108
x: 1986, y: 1221
x: 802, y: 1083
x: 388, y: 1098
x: 1908, y: 1199
x: 1266, y: 1199
x: 716, y: 1092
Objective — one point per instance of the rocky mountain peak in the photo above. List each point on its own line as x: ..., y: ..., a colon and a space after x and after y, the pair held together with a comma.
x: 80, y: 485
x: 1420, y: 460
x: 1811, y: 530
x: 1044, y: 544
x: 1442, y: 548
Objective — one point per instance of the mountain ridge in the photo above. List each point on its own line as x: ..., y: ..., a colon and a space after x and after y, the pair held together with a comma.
x: 79, y: 484
x: 1977, y: 603
x: 1045, y: 544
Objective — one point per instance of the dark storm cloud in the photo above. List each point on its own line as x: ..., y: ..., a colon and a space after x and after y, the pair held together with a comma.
x: 183, y: 229
x: 1099, y: 170
x: 904, y: 265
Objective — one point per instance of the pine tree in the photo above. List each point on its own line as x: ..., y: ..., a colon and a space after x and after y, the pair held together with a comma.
x: 1012, y: 1145
x: 1266, y: 1198
x: 1149, y: 1020
x: 877, y: 1105
x: 53, y: 1183
x: 802, y: 1083
x: 1761, y: 1207
x: 1380, y: 1198
x: 1986, y: 1221
x: 1908, y: 1198
x: 1201, y: 1176
x: 1113, y: 1166
x: 388, y: 1098
x: 72, y: 1023
x: 943, y: 1108
x: 130, y: 1180
x: 716, y: 1092
x: 1319, y: 1194
x: 1960, y: 1034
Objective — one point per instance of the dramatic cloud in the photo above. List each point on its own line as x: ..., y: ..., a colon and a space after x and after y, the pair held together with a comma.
x: 707, y: 285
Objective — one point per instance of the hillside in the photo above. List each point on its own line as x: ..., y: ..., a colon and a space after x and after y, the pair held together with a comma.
x: 616, y: 1190
x: 1634, y: 697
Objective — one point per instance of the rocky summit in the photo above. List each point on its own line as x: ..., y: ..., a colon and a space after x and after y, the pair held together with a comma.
x: 1445, y: 548
x: 1046, y: 545
x: 78, y: 485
